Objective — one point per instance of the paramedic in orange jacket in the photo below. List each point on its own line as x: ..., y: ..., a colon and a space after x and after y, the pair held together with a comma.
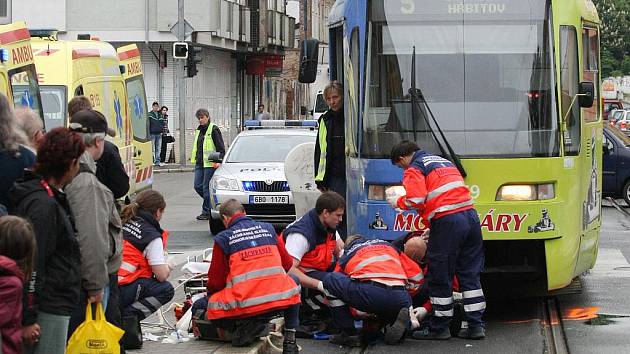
x: 370, y: 278
x: 142, y: 277
x: 435, y: 188
x: 248, y: 277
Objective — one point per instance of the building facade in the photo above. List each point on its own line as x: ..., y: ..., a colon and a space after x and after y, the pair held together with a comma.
x: 230, y: 33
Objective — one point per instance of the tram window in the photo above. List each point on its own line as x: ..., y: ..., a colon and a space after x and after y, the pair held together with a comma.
x: 590, y: 58
x: 352, y: 95
x: 569, y: 80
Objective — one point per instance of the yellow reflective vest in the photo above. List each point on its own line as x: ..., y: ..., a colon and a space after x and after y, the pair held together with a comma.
x: 208, y: 147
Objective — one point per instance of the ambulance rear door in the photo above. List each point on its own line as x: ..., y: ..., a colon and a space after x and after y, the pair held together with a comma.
x: 129, y: 56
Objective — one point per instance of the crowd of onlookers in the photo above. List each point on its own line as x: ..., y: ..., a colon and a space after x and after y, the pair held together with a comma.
x: 64, y: 242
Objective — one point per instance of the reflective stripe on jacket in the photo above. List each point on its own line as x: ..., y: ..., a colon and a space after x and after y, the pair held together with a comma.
x: 208, y: 147
x: 434, y: 187
x: 256, y: 282
x: 134, y: 264
x: 415, y: 275
x: 374, y: 259
x: 322, y: 134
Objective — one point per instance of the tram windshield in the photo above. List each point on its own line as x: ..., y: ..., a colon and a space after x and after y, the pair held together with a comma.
x: 485, y: 71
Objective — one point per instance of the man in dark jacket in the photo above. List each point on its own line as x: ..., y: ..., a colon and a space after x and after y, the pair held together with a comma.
x: 156, y: 125
x: 109, y: 168
x: 330, y: 156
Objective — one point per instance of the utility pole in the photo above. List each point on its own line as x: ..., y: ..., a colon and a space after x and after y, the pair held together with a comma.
x: 181, y: 83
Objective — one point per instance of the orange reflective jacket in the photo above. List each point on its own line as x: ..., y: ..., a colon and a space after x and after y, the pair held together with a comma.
x: 134, y: 265
x: 256, y: 282
x: 373, y: 260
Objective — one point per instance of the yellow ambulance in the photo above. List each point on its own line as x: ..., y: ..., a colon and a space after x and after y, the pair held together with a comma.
x: 129, y: 56
x: 18, y: 78
x: 84, y: 67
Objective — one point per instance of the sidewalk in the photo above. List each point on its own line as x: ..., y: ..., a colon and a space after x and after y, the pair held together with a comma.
x: 173, y: 167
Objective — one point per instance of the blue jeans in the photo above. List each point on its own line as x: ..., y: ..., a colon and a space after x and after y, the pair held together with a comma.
x: 54, y: 331
x: 203, y: 175
x: 156, y: 141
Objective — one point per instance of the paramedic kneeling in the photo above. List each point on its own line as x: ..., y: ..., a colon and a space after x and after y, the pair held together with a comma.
x: 248, y: 278
x: 435, y: 188
x: 369, y: 277
x: 143, y: 273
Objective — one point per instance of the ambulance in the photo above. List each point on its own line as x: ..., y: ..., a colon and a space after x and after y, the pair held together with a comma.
x: 18, y: 78
x: 129, y: 56
x: 90, y: 68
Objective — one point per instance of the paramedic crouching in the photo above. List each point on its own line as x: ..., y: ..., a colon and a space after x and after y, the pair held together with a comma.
x: 144, y: 271
x: 248, y: 279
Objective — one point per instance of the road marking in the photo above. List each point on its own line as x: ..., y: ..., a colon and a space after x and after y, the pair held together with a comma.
x: 611, y: 263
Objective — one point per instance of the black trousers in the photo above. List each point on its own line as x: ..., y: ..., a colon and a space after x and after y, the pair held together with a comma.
x: 163, y: 150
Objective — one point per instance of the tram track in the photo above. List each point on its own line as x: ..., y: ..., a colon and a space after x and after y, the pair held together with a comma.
x: 553, y: 327
x: 618, y: 206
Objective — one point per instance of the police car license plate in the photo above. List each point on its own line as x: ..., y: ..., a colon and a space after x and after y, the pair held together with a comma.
x: 269, y: 199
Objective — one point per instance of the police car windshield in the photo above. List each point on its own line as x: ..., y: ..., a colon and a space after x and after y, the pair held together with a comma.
x: 265, y: 148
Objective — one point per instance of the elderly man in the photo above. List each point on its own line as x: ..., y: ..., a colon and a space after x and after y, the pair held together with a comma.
x: 32, y: 125
x: 96, y: 219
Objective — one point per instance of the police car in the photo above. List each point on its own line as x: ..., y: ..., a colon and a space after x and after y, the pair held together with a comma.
x: 252, y: 171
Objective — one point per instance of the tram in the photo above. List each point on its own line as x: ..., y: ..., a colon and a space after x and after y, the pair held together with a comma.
x: 508, y: 90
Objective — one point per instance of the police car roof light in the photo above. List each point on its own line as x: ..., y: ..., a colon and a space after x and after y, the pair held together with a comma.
x: 258, y: 124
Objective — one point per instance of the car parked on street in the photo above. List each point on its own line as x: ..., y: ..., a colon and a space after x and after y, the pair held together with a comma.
x: 252, y: 171
x: 616, y: 164
x: 622, y: 120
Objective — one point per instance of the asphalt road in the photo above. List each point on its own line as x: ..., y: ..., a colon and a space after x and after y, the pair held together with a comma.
x: 595, y: 321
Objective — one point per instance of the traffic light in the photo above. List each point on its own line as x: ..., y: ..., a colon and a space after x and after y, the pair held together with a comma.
x: 180, y: 50
x: 192, y: 61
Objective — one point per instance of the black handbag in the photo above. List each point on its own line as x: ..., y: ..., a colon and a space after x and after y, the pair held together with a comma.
x: 168, y: 139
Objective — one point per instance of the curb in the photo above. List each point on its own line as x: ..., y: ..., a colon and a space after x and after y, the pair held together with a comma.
x: 173, y: 169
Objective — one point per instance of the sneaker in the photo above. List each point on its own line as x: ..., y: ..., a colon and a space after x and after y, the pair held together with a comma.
x: 426, y: 334
x: 395, y: 332
x: 161, y: 164
x: 472, y: 333
x: 203, y: 217
x: 345, y: 339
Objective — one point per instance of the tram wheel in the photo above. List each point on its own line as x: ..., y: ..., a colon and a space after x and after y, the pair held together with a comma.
x: 625, y: 192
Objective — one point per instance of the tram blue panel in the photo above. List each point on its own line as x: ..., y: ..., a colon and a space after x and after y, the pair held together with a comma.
x: 379, y: 220
x: 381, y: 171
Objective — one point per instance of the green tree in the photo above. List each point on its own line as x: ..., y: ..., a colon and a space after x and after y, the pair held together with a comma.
x: 615, y: 36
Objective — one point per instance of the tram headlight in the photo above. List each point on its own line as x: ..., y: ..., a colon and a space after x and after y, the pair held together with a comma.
x: 526, y: 192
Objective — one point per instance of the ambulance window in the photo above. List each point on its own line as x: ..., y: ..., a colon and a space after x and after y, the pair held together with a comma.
x: 54, y: 105
x: 25, y: 88
x: 137, y: 101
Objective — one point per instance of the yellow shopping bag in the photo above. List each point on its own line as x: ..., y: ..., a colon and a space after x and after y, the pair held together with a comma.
x: 95, y: 336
